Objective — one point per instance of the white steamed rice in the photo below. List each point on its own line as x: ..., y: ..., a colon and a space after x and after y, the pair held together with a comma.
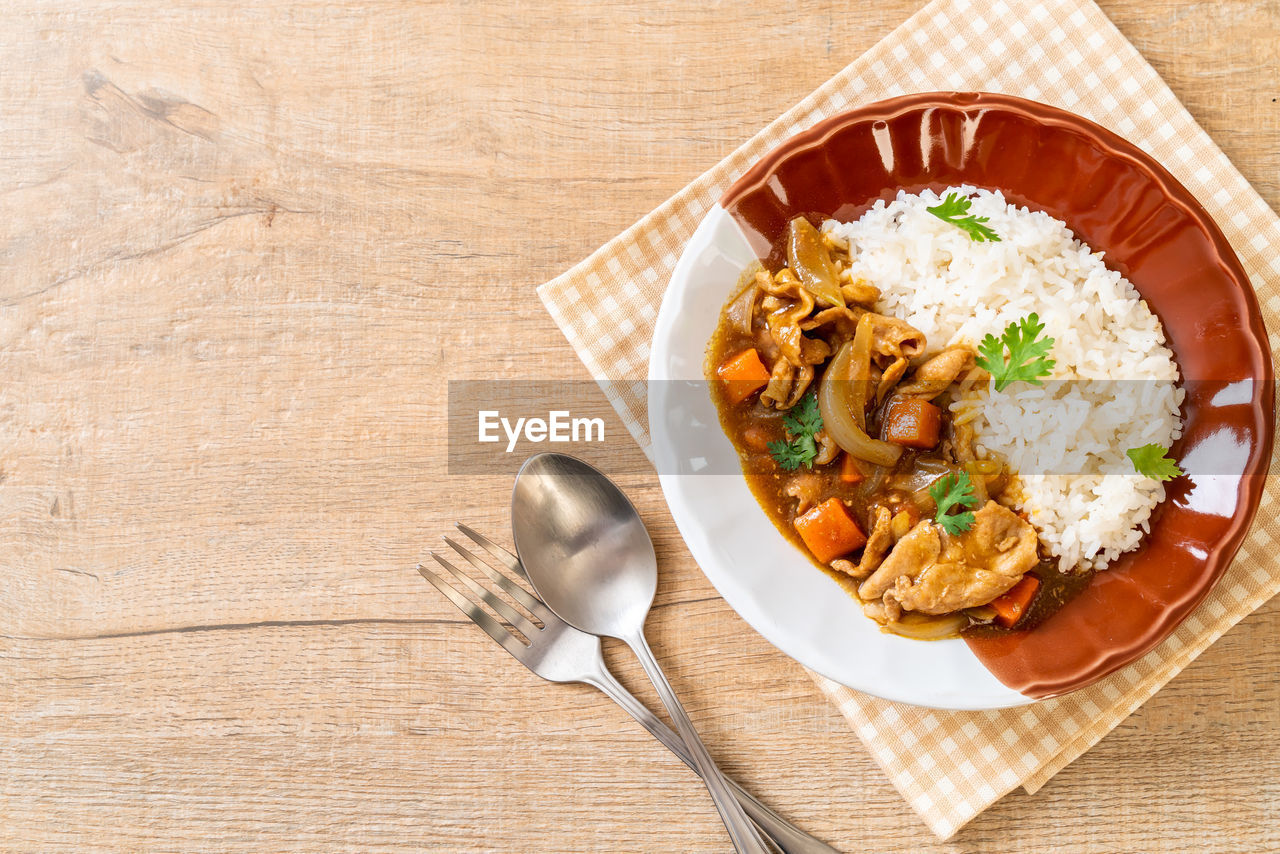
x: 1066, y: 440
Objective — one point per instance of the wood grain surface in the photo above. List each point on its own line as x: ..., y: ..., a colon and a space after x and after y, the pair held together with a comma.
x: 243, y: 248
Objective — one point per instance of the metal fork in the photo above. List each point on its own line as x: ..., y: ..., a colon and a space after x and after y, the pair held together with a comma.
x: 560, y: 653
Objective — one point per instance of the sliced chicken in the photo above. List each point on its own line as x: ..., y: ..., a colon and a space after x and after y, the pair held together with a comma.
x: 787, y: 384
x: 781, y: 381
x: 932, y: 378
x: 860, y: 292
x: 889, y: 377
x: 784, y: 326
x: 913, y: 553
x: 828, y: 450
x: 878, y: 544
x: 848, y: 567
x: 873, y: 552
x: 962, y: 446
x: 806, y: 489
x: 932, y: 572
x: 786, y: 289
x: 876, y: 610
x: 792, y: 353
x: 835, y: 325
x: 894, y: 344
x: 893, y: 339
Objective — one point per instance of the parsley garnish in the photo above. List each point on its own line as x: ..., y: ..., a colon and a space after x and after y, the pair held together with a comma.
x: 953, y: 208
x: 1153, y: 461
x: 801, y: 423
x: 1026, y: 360
x: 954, y: 491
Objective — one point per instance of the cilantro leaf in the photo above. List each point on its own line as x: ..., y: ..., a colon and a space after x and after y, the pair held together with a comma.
x: 1027, y: 357
x: 793, y: 453
x: 953, y: 208
x: 801, y: 423
x: 805, y: 418
x: 1154, y: 462
x: 954, y: 491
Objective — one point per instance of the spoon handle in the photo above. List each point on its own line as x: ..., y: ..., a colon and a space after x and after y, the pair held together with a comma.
x: 743, y: 833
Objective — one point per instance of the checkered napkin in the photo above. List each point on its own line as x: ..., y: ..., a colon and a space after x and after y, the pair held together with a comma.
x: 952, y: 765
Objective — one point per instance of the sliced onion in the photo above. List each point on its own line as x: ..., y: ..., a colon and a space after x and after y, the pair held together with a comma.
x: 839, y: 398
x: 858, y: 371
x: 809, y: 259
x: 922, y: 474
x: 928, y: 627
x: 923, y: 501
x: 741, y: 310
x: 981, y: 474
x: 981, y: 614
x: 874, y: 480
x: 983, y: 467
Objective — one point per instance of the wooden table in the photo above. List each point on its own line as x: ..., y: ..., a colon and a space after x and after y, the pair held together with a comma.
x: 244, y: 248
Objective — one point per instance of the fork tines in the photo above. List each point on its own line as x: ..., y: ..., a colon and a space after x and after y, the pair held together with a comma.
x: 469, y: 599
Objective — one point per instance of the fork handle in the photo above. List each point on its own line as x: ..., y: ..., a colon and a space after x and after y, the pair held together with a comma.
x: 789, y: 838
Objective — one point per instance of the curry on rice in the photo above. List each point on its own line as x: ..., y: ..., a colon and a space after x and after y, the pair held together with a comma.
x: 849, y: 442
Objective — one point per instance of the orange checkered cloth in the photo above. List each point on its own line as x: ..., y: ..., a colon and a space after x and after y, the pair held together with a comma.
x: 952, y: 765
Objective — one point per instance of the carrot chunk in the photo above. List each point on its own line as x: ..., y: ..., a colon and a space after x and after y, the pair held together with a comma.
x: 1010, y: 606
x: 849, y: 470
x: 829, y: 531
x: 757, y: 437
x: 743, y: 374
x: 912, y: 422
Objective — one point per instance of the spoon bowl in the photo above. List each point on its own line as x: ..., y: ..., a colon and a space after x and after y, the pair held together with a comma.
x: 577, y: 532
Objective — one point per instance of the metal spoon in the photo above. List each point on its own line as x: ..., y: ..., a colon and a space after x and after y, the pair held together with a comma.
x: 591, y: 560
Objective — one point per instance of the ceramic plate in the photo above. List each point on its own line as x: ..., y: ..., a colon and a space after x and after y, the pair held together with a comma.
x: 1116, y: 199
